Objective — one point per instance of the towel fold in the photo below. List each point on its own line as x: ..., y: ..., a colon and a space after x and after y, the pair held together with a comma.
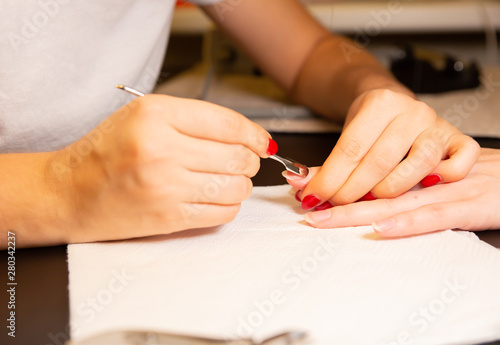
x: 268, y: 271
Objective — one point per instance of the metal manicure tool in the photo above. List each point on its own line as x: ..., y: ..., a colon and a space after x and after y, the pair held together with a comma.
x: 290, y: 165
x: 156, y: 338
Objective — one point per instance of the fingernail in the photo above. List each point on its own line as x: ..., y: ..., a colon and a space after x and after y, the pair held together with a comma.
x: 368, y: 197
x: 431, y: 180
x: 324, y: 206
x: 298, y: 195
x: 317, y: 217
x: 310, y: 202
x: 272, y: 148
x: 291, y: 176
x: 384, y: 225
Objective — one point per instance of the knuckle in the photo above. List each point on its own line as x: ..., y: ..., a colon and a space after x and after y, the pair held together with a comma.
x: 243, y: 188
x: 343, y: 198
x: 437, y: 212
x: 351, y: 148
x: 231, y: 122
x: 382, y: 163
x: 143, y: 178
x: 246, y: 162
x: 429, y: 157
x: 473, y: 145
x: 382, y: 95
x: 385, y: 94
x: 253, y: 166
x: 230, y: 213
x: 146, y: 105
x: 138, y: 149
x: 424, y: 111
x: 387, y: 189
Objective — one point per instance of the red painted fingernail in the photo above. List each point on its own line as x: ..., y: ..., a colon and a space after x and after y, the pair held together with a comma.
x: 324, y: 206
x: 431, y: 180
x: 272, y: 148
x: 310, y: 202
x: 298, y: 195
x: 368, y: 197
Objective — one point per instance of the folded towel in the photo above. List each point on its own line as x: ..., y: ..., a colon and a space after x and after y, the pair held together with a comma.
x: 268, y: 271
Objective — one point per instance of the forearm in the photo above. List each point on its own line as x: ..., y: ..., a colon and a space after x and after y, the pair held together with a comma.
x: 335, y: 72
x: 31, y: 201
x: 323, y: 71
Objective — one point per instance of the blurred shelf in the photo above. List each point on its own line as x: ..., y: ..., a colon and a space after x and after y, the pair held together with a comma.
x: 375, y: 17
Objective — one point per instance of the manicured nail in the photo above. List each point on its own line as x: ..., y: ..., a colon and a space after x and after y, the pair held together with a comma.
x: 298, y: 195
x: 291, y: 176
x: 309, y: 202
x: 368, y: 197
x: 272, y: 148
x: 431, y: 180
x: 324, y: 206
x: 317, y: 217
x: 384, y: 225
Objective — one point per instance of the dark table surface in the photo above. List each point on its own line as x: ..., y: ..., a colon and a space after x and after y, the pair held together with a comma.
x: 42, y: 308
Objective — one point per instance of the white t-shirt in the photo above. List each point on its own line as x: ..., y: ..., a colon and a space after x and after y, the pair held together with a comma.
x: 61, y: 59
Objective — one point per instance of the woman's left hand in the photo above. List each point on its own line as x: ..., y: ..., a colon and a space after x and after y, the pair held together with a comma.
x: 389, y: 144
x: 469, y: 204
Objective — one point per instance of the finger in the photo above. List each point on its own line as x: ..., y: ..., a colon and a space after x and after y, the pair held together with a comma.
x: 298, y: 182
x: 205, y: 215
x: 463, y: 152
x: 365, y: 213
x: 175, y: 184
x: 379, y: 162
x: 357, y: 139
x: 214, y: 188
x: 208, y: 121
x: 352, y: 146
x: 213, y: 157
x: 429, y: 218
x: 195, y: 154
x: 423, y: 158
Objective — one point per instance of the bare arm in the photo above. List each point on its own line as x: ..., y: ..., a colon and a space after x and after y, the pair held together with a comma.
x: 30, y: 199
x: 390, y: 140
x: 147, y: 175
x: 323, y: 71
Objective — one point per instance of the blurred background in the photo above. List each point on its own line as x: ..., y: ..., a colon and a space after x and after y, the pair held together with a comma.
x: 438, y: 48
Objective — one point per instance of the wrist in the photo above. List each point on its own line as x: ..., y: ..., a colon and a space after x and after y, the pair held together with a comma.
x: 370, y: 80
x: 53, y: 206
x: 33, y: 206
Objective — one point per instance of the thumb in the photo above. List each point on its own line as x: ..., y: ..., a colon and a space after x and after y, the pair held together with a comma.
x: 297, y: 182
x: 463, y: 152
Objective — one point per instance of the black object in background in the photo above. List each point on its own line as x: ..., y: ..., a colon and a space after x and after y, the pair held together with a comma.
x: 424, y: 71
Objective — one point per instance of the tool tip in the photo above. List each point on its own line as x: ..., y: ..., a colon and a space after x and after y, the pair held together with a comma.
x: 121, y: 86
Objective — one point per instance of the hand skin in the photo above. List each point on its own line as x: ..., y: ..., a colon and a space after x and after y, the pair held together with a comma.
x: 469, y: 204
x: 404, y: 143
x: 158, y: 165
x: 334, y: 76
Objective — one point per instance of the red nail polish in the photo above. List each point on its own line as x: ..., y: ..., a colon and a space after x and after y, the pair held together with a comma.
x: 298, y: 195
x: 272, y: 148
x: 324, y: 206
x: 431, y: 180
x: 368, y: 197
x: 310, y: 202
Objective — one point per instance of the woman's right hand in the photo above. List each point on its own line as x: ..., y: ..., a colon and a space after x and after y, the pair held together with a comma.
x: 158, y: 165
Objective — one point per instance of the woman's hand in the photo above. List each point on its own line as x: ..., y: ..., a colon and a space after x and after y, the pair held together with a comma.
x: 390, y: 142
x: 159, y: 165
x: 469, y: 204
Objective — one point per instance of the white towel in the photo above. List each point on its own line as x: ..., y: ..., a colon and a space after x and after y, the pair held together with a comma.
x: 267, y: 271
